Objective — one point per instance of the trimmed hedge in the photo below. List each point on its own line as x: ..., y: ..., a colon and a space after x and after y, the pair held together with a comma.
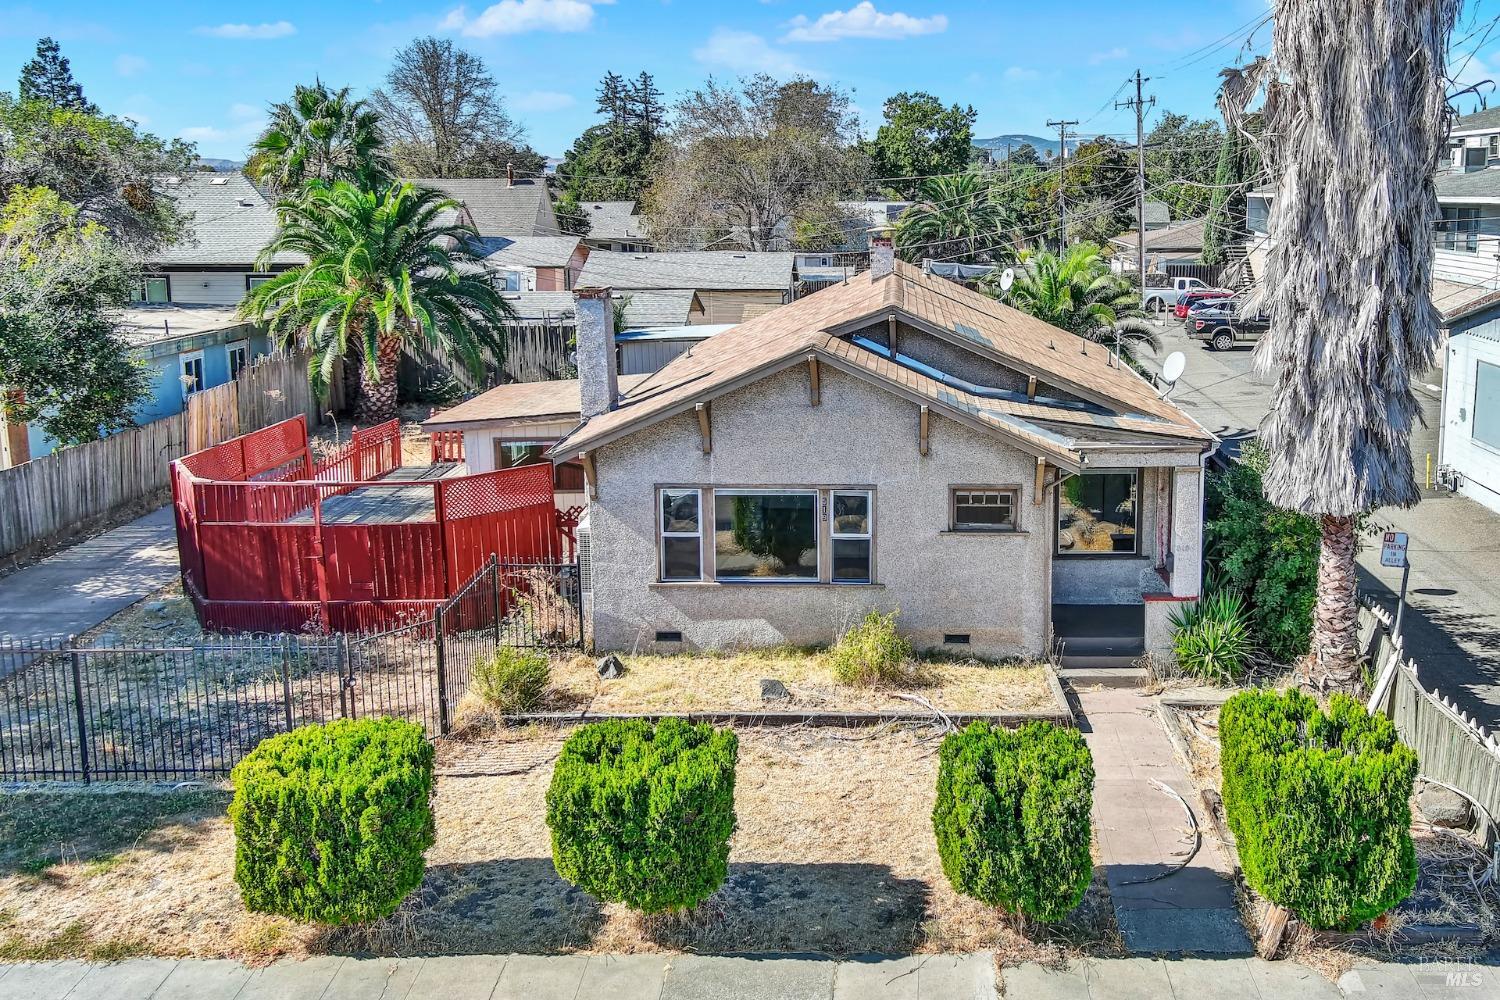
x: 331, y: 822
x: 1318, y: 803
x: 641, y: 814
x: 1012, y: 816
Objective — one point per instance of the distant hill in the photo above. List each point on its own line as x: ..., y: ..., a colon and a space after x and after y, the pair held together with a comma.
x: 1047, y: 147
x: 220, y: 166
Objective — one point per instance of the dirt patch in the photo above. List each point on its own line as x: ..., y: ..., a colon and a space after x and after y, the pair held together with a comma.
x: 834, y: 853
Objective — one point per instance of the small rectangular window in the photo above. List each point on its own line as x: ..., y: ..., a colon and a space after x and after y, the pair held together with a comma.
x: 508, y: 281
x: 850, y: 528
x: 239, y: 358
x: 669, y: 637
x: 956, y: 639
x: 514, y: 454
x: 681, y: 535
x: 983, y: 509
x: 190, y: 370
x: 255, y: 280
x: 151, y: 291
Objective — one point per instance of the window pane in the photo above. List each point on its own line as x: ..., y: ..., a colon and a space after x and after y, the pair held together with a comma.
x: 851, y: 560
x: 1487, y: 404
x: 983, y: 509
x: 1096, y: 513
x: 766, y: 535
x: 679, y: 510
x: 156, y: 290
x: 511, y: 456
x: 851, y: 514
x: 680, y: 558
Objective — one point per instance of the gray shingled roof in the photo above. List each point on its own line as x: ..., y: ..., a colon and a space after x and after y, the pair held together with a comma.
x: 701, y: 270
x: 667, y: 307
x: 614, y: 220
x: 1158, y: 213
x: 1476, y: 184
x: 537, y: 306
x: 497, y: 207
x: 1488, y: 118
x: 231, y: 221
x: 527, y: 251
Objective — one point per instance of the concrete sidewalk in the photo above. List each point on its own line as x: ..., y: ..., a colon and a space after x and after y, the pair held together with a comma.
x: 81, y: 586
x: 731, y: 977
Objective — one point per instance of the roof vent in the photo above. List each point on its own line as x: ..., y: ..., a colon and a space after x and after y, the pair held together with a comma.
x: 246, y: 203
x: 220, y: 181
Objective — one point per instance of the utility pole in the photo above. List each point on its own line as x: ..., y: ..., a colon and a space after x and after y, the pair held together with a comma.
x: 1062, y: 201
x: 1140, y: 104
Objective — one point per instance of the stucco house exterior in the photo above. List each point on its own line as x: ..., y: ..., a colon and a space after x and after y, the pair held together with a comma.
x: 894, y: 441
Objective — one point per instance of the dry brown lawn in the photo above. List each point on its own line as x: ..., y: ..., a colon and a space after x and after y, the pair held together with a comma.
x: 834, y: 853
x: 731, y: 682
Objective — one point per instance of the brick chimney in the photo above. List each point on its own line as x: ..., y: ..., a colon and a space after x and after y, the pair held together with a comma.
x: 598, y: 367
x: 882, y: 254
x: 510, y: 175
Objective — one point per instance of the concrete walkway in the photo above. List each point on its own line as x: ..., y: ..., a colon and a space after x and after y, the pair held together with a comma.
x: 81, y: 586
x: 1144, y: 832
x: 698, y: 977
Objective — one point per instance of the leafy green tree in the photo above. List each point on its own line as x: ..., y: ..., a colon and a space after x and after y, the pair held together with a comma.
x: 62, y: 284
x: 319, y: 134
x: 384, y: 268
x: 1237, y: 172
x: 611, y: 161
x: 1099, y: 182
x: 48, y: 78
x: 1077, y: 292
x: 955, y: 218
x: 920, y: 138
x: 1182, y: 156
x: 1024, y: 155
x: 101, y: 165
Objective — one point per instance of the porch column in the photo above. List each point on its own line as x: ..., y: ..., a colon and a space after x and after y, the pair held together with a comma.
x: 1187, y: 532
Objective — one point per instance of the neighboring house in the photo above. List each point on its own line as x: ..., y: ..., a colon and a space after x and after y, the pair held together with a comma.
x: 230, y: 222
x: 641, y: 309
x: 616, y: 226
x: 1174, y: 244
x: 500, y: 206
x: 642, y: 350
x: 533, y: 263
x: 731, y: 285
x: 1158, y: 215
x: 186, y: 349
x: 893, y: 442
x: 1473, y: 142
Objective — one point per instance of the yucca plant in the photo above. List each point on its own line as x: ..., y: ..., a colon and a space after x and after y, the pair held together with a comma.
x: 1211, y: 638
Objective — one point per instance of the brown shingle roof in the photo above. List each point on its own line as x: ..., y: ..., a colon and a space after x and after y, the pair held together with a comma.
x: 785, y: 336
x: 519, y: 401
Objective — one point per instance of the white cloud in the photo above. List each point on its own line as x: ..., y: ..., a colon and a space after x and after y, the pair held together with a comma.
x: 1019, y: 74
x: 245, y: 123
x: 257, y: 32
x: 745, y: 52
x: 245, y: 112
x: 862, y: 21
x: 129, y: 65
x: 516, y: 17
x: 1118, y: 52
x: 542, y: 100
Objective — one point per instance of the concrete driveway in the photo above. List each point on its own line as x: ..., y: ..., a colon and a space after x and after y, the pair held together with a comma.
x: 81, y: 586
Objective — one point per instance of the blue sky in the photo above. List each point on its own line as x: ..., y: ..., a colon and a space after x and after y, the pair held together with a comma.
x: 206, y: 72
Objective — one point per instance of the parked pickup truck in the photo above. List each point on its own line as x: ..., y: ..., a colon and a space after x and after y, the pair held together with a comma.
x: 1162, y: 291
x: 1218, y: 324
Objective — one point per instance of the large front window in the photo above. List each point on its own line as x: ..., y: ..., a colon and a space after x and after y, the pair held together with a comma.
x: 765, y: 535
x: 514, y: 454
x: 1096, y: 514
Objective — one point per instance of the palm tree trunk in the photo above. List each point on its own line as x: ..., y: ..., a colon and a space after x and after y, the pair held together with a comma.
x: 377, y: 389
x: 1333, y: 662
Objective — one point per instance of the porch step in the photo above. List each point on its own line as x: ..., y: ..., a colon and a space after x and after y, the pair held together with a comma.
x: 1102, y: 645
x: 1102, y: 670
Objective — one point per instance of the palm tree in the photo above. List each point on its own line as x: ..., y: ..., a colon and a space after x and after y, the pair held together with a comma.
x: 955, y: 219
x: 1352, y: 132
x: 1077, y: 292
x: 386, y: 266
x: 320, y: 134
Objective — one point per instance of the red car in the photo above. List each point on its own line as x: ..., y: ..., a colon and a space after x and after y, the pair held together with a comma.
x: 1190, y: 299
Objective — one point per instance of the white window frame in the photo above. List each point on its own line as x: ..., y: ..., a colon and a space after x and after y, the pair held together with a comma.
x: 183, y: 360
x: 868, y: 535
x: 237, y: 347
x: 252, y: 280
x: 818, y: 533
x: 510, y: 281
x: 143, y: 287
x: 662, y: 534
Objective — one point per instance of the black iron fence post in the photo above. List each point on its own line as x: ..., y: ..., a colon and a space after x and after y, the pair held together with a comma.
x: 495, y: 596
x: 286, y: 682
x: 83, y: 730
x: 442, y: 672
x: 346, y: 683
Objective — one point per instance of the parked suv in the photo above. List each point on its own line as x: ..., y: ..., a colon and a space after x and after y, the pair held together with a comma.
x: 1219, y: 324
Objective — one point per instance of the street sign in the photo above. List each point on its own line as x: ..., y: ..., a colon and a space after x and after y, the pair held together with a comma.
x: 1393, y: 550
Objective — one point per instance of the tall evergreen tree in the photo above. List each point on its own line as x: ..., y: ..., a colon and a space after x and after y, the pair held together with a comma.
x: 49, y: 78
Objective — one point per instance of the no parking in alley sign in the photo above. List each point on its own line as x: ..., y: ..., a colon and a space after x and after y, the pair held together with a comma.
x: 1393, y: 549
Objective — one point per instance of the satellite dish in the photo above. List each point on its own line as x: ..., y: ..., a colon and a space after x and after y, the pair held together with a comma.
x: 1007, y: 278
x: 1173, y: 367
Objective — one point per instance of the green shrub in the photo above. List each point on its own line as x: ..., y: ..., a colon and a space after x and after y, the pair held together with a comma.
x: 1211, y: 638
x: 512, y: 680
x: 641, y: 814
x: 871, y: 652
x: 1318, y: 803
x: 1012, y: 816
x: 331, y: 822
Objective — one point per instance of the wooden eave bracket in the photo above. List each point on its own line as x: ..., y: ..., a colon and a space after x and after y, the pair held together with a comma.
x: 815, y: 385
x: 925, y: 419
x: 586, y: 458
x: 705, y: 427
x: 1041, y: 479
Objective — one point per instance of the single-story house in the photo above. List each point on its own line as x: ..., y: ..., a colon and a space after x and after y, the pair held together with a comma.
x: 732, y: 286
x: 616, y: 226
x: 500, y: 206
x: 1173, y: 243
x: 533, y: 263
x: 892, y: 442
x: 1158, y: 215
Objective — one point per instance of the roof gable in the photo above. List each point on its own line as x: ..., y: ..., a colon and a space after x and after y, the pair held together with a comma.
x: 230, y: 221
x: 497, y: 206
x: 707, y: 270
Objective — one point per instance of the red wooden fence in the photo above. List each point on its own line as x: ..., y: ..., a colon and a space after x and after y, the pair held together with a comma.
x: 261, y: 550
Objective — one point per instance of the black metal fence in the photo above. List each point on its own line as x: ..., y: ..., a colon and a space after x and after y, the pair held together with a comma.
x: 113, y: 711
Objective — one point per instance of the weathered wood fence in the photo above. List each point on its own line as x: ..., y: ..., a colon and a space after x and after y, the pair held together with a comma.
x: 54, y: 497
x: 534, y: 352
x: 1451, y: 747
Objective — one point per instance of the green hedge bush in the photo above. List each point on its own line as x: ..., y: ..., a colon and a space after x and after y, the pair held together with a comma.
x: 1012, y: 816
x: 1318, y: 803
x: 641, y: 814
x: 512, y: 680
x: 872, y: 652
x: 332, y: 822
